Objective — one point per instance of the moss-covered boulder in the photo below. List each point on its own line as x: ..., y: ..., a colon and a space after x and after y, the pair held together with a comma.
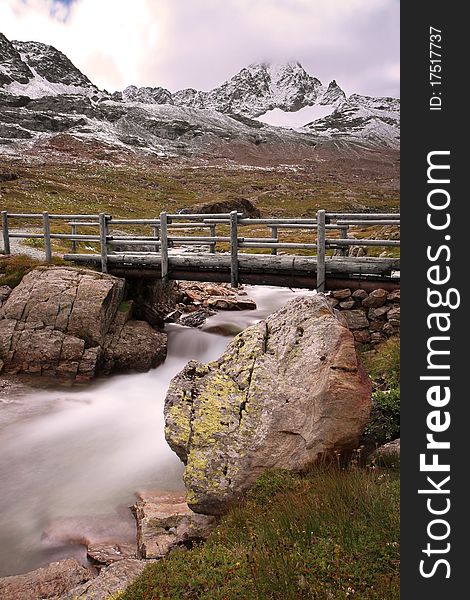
x: 287, y: 391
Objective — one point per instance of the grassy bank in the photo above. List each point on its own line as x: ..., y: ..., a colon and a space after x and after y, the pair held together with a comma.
x: 330, y: 534
x: 138, y: 189
x: 13, y: 268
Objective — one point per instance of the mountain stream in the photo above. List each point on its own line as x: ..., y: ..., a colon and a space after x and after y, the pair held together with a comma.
x: 73, y: 458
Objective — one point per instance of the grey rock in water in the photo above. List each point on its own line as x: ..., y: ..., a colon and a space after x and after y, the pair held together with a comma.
x: 107, y: 554
x: 165, y: 521
x: 111, y: 580
x: 286, y: 392
x: 53, y: 581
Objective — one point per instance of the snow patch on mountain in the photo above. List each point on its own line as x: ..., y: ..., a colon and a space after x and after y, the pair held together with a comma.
x: 48, y: 62
x: 257, y: 89
x: 35, y: 70
x: 293, y: 120
x: 38, y: 87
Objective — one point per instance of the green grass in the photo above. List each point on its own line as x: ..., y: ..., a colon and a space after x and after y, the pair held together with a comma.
x: 136, y: 189
x: 329, y: 534
x: 383, y: 366
x: 13, y: 268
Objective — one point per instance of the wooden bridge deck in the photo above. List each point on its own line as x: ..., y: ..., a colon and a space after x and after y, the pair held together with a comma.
x: 157, y: 255
x: 256, y: 269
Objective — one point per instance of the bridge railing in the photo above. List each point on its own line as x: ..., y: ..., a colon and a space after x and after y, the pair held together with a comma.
x: 165, y: 234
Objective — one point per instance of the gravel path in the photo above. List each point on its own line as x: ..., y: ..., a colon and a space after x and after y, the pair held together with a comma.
x: 18, y: 245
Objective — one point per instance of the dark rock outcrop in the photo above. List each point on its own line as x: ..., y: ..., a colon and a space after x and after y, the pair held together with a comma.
x: 243, y: 205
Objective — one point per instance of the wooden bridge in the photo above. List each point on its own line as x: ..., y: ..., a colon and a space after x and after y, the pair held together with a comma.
x: 221, y: 255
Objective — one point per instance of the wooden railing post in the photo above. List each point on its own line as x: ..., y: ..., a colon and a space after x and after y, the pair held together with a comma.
x: 156, y: 234
x: 74, y: 242
x: 234, y: 249
x: 274, y: 235
x: 6, y: 235
x: 321, y: 267
x: 212, y: 234
x: 47, y: 236
x: 103, y: 242
x: 164, y: 245
x: 343, y: 234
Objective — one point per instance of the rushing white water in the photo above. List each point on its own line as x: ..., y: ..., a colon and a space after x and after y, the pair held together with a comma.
x: 71, y: 460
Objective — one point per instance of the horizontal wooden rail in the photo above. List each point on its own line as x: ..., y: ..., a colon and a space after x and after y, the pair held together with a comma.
x: 51, y: 216
x: 359, y: 242
x: 14, y: 234
x: 201, y: 216
x: 286, y: 245
x: 362, y: 216
x: 369, y: 223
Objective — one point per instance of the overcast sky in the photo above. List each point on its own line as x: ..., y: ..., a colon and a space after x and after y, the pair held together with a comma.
x: 201, y: 43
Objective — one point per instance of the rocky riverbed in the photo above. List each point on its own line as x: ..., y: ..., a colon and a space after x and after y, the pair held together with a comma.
x: 74, y: 457
x: 77, y: 454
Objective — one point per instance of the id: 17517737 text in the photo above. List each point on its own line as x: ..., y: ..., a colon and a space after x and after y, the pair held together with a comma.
x: 435, y: 68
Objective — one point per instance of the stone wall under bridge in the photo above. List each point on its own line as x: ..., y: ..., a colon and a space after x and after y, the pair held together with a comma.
x: 372, y: 317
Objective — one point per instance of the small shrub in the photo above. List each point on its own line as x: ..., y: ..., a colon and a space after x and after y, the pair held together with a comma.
x: 384, y: 422
x: 383, y: 365
x: 34, y: 243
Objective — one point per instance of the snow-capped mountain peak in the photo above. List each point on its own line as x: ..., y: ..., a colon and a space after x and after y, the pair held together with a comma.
x: 257, y: 89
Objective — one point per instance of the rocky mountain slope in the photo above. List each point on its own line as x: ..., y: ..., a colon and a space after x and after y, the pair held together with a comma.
x: 251, y: 92
x: 376, y: 120
x: 34, y: 69
x: 43, y: 96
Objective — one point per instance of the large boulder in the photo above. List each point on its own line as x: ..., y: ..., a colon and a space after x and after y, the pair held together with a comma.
x: 73, y: 322
x: 286, y: 392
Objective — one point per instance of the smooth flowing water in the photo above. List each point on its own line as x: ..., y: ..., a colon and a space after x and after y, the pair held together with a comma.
x: 72, y: 460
